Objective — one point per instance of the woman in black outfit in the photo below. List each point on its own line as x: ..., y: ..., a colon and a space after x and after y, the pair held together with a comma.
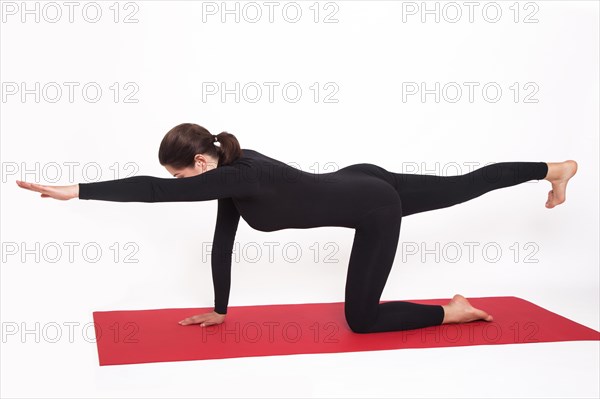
x: 271, y: 195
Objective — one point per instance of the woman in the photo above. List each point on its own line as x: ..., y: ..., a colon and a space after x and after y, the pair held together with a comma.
x: 270, y: 195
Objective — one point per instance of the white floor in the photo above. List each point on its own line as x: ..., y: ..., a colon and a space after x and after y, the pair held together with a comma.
x: 545, y: 370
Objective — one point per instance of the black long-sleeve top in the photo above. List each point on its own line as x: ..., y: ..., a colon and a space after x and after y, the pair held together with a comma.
x: 269, y: 195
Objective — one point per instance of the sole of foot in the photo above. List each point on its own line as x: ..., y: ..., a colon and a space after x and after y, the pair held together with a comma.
x: 459, y: 310
x: 564, y: 171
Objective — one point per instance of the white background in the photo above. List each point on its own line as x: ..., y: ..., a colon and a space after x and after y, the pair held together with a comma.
x: 367, y: 54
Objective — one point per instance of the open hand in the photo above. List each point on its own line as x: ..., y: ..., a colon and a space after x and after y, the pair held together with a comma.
x: 204, y: 319
x: 57, y: 192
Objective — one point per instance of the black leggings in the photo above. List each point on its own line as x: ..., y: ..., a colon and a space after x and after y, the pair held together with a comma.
x: 376, y: 241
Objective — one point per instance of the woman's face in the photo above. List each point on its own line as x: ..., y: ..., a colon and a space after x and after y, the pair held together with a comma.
x: 185, y: 172
x: 202, y: 164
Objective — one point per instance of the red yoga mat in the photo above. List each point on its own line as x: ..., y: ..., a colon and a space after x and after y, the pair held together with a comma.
x: 146, y: 336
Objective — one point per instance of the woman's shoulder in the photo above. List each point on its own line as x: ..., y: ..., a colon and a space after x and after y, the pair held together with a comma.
x: 248, y: 159
x: 248, y: 153
x: 255, y: 158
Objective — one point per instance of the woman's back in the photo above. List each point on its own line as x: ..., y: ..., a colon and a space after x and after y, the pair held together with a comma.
x: 288, y: 197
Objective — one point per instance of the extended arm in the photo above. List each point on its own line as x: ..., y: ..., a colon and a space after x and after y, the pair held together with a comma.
x: 238, y: 179
x: 228, y: 219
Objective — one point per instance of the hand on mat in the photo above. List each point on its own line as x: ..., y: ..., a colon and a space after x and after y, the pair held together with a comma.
x: 56, y: 192
x: 204, y: 319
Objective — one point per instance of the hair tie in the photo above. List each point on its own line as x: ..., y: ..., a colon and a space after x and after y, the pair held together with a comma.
x: 216, y: 142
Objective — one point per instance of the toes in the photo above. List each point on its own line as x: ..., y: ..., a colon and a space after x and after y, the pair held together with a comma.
x: 486, y: 316
x: 550, y: 201
x: 573, y: 167
x: 478, y: 314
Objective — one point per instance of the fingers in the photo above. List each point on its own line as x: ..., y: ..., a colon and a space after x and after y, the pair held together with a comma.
x: 193, y: 320
x: 56, y: 192
x: 32, y: 186
x: 25, y: 185
x: 190, y: 320
x: 204, y: 320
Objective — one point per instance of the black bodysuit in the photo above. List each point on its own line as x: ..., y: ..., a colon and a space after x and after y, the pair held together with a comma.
x: 271, y: 195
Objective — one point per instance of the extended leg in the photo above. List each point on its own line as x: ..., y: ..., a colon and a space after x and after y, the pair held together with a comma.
x: 371, y: 259
x: 421, y: 193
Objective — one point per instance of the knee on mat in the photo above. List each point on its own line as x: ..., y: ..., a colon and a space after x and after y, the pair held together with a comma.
x: 358, y: 325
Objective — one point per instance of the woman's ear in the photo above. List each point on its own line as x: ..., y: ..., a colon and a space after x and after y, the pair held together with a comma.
x: 200, y: 163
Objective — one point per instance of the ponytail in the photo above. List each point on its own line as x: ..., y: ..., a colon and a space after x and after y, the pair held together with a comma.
x: 228, y: 148
x: 181, y: 144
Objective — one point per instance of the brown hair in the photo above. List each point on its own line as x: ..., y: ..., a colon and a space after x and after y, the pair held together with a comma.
x: 184, y: 141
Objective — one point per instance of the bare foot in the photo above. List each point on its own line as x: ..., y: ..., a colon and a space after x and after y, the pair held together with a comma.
x: 459, y: 310
x: 559, y: 174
